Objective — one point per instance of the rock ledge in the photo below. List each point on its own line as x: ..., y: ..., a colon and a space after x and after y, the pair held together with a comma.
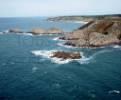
x: 66, y: 55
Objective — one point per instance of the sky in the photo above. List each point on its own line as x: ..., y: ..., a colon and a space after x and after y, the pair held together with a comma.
x: 26, y: 8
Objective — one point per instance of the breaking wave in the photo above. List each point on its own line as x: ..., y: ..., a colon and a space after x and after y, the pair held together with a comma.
x: 116, y: 47
x: 1, y: 32
x: 56, y: 38
x: 114, y: 91
x: 84, y: 60
x: 48, y: 54
x: 27, y: 34
x: 65, y: 46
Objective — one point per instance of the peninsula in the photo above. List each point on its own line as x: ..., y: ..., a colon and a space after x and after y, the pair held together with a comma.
x: 99, y: 31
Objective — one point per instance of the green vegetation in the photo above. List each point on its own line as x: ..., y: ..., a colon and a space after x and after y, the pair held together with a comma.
x: 86, y: 18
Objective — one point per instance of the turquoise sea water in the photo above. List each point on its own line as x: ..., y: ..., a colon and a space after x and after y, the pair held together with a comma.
x: 26, y: 72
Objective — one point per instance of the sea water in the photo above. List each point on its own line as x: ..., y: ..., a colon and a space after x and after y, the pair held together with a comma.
x: 28, y: 73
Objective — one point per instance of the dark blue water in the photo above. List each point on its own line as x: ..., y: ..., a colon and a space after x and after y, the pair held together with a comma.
x: 25, y: 76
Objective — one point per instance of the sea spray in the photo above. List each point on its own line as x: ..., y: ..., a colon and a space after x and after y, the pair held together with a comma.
x: 48, y: 54
x: 1, y: 32
x: 66, y: 46
x: 117, y: 47
x: 86, y: 60
x: 56, y: 39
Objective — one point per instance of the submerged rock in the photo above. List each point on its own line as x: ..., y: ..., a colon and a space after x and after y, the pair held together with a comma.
x: 66, y: 55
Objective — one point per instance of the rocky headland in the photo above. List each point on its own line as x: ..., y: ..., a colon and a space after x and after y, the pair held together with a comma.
x: 38, y: 31
x: 95, y: 33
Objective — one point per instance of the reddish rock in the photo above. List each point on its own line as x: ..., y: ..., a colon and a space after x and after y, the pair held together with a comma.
x: 38, y: 31
x: 95, y: 34
x: 54, y: 31
x: 66, y: 55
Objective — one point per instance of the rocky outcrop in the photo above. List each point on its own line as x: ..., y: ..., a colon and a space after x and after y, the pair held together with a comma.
x: 38, y: 31
x: 15, y: 30
x: 96, y: 33
x: 54, y: 31
x: 66, y: 55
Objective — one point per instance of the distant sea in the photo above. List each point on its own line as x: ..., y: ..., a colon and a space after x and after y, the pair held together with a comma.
x: 27, y: 72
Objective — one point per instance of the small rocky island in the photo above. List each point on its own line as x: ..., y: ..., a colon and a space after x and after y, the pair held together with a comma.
x: 15, y: 30
x: 66, y: 55
x: 38, y: 31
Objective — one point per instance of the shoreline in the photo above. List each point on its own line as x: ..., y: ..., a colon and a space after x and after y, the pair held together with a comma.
x: 81, y: 22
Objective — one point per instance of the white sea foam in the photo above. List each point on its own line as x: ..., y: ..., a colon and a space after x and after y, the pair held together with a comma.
x: 117, y: 46
x: 64, y: 61
x: 56, y: 38
x: 86, y: 60
x: 48, y: 54
x: 83, y: 60
x: 29, y: 34
x: 61, y: 61
x: 65, y: 46
x: 114, y: 91
x: 1, y: 32
x: 6, y: 31
x: 34, y: 69
x: 43, y: 53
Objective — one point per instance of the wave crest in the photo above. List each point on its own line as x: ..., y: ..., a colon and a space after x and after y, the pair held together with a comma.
x: 1, y: 32
x: 84, y: 60
x: 117, y: 46
x: 48, y: 54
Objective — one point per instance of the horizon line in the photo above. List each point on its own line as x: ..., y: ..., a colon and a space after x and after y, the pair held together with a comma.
x: 60, y: 15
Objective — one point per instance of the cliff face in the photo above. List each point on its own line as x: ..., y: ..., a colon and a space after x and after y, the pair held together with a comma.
x: 96, y: 33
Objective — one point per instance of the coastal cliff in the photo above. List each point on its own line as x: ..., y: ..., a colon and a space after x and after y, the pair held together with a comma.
x: 95, y: 33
